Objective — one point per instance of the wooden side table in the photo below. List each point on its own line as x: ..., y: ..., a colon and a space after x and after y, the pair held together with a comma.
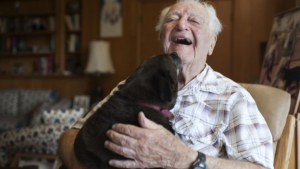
x: 52, y: 161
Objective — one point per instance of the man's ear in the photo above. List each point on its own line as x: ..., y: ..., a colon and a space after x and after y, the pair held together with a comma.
x: 213, y: 42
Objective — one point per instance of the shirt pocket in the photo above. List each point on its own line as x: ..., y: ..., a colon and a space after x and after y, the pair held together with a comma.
x: 197, y: 124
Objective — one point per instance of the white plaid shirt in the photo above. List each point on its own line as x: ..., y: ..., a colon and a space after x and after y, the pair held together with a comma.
x: 219, y: 118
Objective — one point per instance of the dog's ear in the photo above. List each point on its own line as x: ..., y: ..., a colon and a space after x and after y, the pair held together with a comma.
x: 164, y: 86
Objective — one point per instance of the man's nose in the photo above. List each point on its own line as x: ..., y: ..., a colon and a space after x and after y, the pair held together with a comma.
x: 182, y: 25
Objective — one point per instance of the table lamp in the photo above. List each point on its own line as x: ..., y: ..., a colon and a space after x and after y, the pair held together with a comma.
x: 99, y: 63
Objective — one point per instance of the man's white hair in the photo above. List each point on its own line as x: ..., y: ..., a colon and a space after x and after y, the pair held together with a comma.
x: 214, y: 23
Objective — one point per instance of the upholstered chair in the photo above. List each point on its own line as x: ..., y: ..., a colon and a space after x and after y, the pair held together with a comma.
x: 274, y: 104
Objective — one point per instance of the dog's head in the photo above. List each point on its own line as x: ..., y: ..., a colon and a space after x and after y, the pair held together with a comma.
x: 154, y: 81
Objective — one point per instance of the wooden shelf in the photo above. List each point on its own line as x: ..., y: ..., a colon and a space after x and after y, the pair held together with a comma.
x: 15, y: 0
x: 27, y: 14
x: 70, y: 32
x: 29, y: 33
x: 73, y: 11
x: 24, y: 54
x: 54, y: 76
x: 73, y: 53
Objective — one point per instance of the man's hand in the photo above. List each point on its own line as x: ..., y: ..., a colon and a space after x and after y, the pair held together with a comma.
x: 149, y: 146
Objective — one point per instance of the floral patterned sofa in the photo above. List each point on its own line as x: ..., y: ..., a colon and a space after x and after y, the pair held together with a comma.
x: 31, y: 121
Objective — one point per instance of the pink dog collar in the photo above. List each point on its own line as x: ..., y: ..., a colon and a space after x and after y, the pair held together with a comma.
x: 165, y: 112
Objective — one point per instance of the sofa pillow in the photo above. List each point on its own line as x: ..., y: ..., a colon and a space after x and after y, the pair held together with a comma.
x: 9, y: 102
x: 62, y: 115
x: 37, y: 114
x: 29, y: 99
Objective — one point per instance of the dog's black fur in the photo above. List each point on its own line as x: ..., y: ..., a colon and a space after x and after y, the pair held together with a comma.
x: 153, y: 82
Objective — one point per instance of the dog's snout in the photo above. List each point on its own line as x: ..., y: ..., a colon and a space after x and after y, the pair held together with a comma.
x: 174, y: 56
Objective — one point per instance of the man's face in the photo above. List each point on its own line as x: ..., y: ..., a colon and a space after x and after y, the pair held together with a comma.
x: 186, y: 31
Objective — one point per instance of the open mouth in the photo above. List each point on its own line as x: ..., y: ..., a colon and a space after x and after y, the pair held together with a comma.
x: 183, y: 41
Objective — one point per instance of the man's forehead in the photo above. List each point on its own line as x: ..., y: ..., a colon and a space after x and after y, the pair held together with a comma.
x: 190, y: 8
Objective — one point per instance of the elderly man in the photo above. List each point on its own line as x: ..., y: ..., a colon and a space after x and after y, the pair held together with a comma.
x: 217, y: 123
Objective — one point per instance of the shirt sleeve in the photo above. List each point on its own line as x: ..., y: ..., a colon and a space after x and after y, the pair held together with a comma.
x: 247, y: 137
x: 81, y: 121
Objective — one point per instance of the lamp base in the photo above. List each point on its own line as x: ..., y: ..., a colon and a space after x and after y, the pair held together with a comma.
x: 98, y: 90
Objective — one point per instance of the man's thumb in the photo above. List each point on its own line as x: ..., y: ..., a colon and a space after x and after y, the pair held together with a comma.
x: 146, y: 123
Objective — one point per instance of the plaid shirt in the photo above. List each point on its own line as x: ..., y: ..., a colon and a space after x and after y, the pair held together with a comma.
x: 219, y: 118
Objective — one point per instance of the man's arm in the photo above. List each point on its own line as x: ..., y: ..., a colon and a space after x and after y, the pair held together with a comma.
x: 66, y: 150
x: 218, y: 163
x: 154, y: 146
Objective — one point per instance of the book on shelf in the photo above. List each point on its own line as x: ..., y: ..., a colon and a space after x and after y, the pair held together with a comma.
x: 76, y: 20
x: 44, y: 65
x: 26, y: 24
x: 72, y: 66
x: 2, y: 44
x: 51, y: 23
x: 73, y: 43
x: 52, y: 43
x: 8, y: 44
x: 73, y: 22
x: 14, y: 44
x: 3, y: 25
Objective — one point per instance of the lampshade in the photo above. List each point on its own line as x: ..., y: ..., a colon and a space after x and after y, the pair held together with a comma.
x: 99, y: 58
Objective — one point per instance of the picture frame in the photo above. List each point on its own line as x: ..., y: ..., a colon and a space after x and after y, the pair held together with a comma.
x: 281, y: 63
x: 81, y: 101
x: 111, y: 20
x: 33, y: 161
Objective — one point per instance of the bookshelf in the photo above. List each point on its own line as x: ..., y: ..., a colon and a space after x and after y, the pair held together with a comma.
x: 73, y: 36
x: 28, y: 37
x: 9, y: 55
x: 40, y: 37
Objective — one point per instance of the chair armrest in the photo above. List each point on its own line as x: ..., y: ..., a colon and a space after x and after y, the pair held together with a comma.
x: 284, y: 146
x: 66, y: 150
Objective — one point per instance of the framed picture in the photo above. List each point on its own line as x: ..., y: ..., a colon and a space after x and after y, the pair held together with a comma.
x: 281, y: 64
x: 111, y: 20
x: 81, y: 101
x: 35, y: 161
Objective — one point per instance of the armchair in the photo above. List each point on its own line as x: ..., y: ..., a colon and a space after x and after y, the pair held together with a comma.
x: 274, y: 104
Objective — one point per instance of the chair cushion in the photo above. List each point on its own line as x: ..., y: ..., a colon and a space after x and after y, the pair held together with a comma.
x: 274, y: 105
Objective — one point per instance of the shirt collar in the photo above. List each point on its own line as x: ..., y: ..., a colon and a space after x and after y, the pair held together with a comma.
x: 206, y: 81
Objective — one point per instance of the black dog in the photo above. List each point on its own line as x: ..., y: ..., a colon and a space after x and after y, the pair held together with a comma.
x: 153, y: 84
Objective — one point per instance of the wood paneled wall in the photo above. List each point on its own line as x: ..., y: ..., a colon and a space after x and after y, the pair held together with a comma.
x: 68, y: 87
x: 252, y: 25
